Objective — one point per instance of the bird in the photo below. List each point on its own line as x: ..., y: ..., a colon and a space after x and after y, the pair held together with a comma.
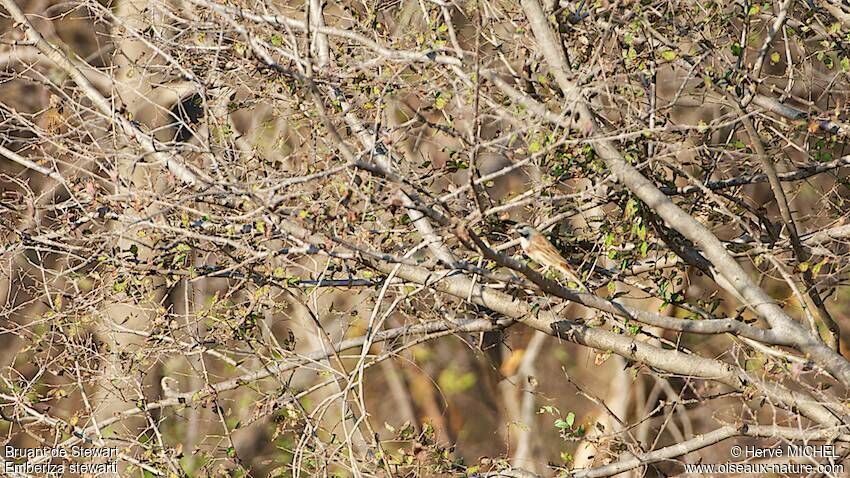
x: 540, y: 250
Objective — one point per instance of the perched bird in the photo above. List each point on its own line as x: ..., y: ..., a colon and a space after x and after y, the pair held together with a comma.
x: 540, y: 250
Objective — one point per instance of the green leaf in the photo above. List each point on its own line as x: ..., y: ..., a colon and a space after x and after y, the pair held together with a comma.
x: 774, y: 57
x: 631, y: 54
x: 277, y: 39
x: 631, y: 208
x: 441, y: 100
x: 571, y: 418
x: 668, y: 55
x: 640, y: 229
x: 119, y: 286
x: 451, y: 381
x: 561, y: 424
x: 816, y: 269
x: 736, y: 48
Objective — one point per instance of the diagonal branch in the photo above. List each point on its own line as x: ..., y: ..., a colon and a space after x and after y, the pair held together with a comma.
x: 17, y: 158
x: 704, y: 440
x: 717, y: 326
x: 737, y: 281
x: 672, y: 361
x: 433, y: 329
x: 816, y: 302
x: 172, y: 160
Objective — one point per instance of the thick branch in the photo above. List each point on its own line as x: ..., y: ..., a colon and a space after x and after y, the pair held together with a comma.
x: 616, y: 308
x: 736, y: 280
x: 671, y: 361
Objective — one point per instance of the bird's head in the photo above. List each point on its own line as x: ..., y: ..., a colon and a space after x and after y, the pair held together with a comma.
x: 525, y: 230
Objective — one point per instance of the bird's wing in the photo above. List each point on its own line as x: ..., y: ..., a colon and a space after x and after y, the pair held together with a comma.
x: 560, y: 263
